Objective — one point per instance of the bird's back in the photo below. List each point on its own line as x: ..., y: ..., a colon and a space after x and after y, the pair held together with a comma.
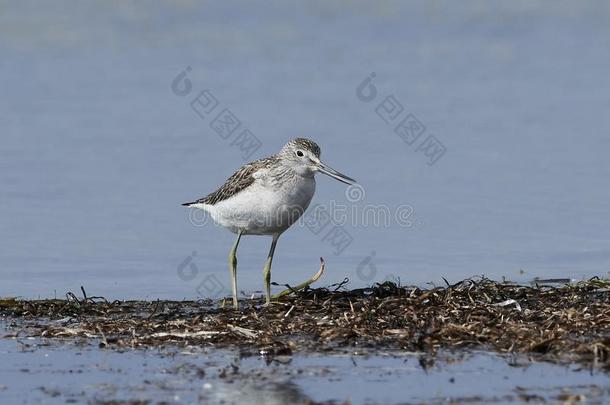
x: 238, y: 182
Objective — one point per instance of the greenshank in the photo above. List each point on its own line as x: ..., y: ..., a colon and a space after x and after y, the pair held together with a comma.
x: 266, y: 197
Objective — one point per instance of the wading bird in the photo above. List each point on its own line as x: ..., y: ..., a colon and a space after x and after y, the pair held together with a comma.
x: 266, y: 197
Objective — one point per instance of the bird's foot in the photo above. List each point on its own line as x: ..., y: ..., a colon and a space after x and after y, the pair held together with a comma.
x: 301, y: 286
x: 224, y: 304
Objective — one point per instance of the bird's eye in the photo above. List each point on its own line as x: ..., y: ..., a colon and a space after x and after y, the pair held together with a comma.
x: 299, y: 153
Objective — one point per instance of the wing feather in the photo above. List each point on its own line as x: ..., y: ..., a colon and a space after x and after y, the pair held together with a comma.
x: 238, y: 181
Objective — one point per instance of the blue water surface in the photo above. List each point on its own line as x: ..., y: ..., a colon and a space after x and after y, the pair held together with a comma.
x: 98, y: 151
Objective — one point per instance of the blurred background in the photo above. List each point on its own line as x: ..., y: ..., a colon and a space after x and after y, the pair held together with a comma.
x: 99, y: 148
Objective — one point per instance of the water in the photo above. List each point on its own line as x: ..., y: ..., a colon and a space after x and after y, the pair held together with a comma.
x: 35, y: 371
x: 97, y: 152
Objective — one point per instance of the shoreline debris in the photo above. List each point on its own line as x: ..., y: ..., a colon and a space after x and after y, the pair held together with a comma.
x: 567, y: 323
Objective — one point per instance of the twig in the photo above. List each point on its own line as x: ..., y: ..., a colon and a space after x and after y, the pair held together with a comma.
x: 303, y: 285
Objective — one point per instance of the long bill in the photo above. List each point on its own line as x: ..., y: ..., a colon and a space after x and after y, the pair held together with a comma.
x: 329, y: 171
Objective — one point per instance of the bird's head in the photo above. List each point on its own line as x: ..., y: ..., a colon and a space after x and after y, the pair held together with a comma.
x: 303, y: 156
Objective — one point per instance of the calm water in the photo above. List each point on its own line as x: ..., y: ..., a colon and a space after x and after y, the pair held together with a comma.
x: 38, y: 373
x: 97, y: 151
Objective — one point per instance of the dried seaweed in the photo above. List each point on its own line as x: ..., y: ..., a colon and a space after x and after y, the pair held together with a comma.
x: 565, y: 323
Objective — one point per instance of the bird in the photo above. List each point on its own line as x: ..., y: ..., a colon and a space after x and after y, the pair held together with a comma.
x: 265, y: 197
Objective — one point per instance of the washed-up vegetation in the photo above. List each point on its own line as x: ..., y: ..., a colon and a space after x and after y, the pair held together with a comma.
x: 568, y: 323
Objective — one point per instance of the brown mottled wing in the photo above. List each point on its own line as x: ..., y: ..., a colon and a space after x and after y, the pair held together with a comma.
x: 234, y: 184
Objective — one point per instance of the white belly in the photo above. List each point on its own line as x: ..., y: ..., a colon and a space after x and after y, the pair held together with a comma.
x: 263, y: 209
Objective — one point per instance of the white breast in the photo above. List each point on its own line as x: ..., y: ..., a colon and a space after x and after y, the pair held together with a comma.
x: 265, y: 207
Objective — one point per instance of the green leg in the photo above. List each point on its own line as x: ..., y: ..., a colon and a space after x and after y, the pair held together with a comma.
x: 267, y: 270
x: 233, y: 269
